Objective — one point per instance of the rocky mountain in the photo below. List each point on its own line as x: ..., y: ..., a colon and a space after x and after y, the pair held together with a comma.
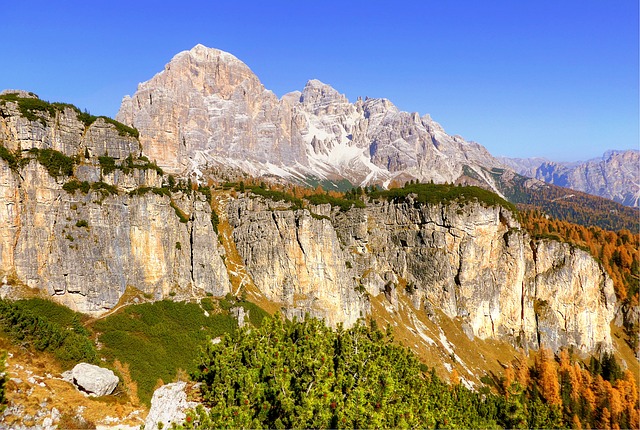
x: 71, y: 227
x: 86, y: 216
x: 615, y: 176
x: 207, y: 109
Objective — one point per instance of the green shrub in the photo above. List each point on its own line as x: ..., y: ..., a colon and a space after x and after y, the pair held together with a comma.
x: 56, y: 163
x: 11, y: 158
x: 342, y: 203
x: 104, y: 189
x: 157, y: 339
x: 107, y: 164
x: 82, y: 223
x: 214, y: 220
x: 276, y: 195
x: 47, y: 327
x: 73, y: 185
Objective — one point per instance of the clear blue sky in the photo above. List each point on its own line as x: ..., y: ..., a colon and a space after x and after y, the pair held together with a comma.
x: 553, y: 78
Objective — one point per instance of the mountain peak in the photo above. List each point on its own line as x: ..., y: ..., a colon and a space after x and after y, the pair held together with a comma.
x: 204, y: 54
x: 318, y: 93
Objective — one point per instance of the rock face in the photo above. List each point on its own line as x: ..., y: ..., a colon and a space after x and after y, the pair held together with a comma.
x: 168, y: 405
x: 297, y: 260
x: 206, y: 108
x: 615, y: 176
x: 475, y: 264
x: 85, y: 249
x: 94, y: 380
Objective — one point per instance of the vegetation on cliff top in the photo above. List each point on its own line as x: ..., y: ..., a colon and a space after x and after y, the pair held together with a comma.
x: 421, y: 193
x: 442, y: 193
x: 33, y: 109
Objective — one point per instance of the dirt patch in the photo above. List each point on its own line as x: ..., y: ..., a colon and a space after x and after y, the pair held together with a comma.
x: 37, y: 395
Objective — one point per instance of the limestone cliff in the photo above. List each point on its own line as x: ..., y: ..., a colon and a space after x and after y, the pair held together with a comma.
x: 472, y: 262
x: 86, y: 244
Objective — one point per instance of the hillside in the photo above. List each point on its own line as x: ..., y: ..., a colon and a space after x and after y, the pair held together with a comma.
x: 615, y: 176
x: 561, y: 203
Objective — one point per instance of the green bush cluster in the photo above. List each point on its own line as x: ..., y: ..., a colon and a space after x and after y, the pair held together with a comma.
x: 157, y: 339
x: 13, y: 159
x: 104, y: 189
x: 343, y: 203
x: 108, y: 164
x: 56, y: 163
x: 46, y: 326
x: 73, y: 185
x: 290, y: 374
x: 141, y: 191
x: 215, y: 221
x: 443, y: 193
x: 275, y: 195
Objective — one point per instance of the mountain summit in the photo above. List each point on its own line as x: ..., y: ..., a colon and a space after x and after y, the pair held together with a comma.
x: 207, y: 108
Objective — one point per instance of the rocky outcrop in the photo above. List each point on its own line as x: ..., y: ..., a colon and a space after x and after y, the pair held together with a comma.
x: 297, y: 260
x: 63, y: 132
x: 615, y: 176
x: 86, y: 248
x: 206, y: 108
x: 472, y: 262
x: 93, y: 380
x: 168, y: 405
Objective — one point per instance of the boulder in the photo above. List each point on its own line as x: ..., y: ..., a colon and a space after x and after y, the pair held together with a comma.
x: 94, y: 380
x: 168, y: 405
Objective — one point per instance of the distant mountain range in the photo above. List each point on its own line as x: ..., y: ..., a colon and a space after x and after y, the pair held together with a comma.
x: 615, y: 176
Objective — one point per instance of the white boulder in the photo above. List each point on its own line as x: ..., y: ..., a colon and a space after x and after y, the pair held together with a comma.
x: 168, y: 405
x: 94, y: 380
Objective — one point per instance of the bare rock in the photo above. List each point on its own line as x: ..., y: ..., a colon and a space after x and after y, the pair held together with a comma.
x: 168, y: 405
x: 94, y: 380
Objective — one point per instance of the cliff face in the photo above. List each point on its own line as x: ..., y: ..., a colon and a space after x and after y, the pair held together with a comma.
x: 85, y: 248
x: 473, y: 263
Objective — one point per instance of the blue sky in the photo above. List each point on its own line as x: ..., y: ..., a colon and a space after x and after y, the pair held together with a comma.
x: 557, y: 79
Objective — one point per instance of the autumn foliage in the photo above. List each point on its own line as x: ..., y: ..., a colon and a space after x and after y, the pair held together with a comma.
x: 597, y: 394
x: 617, y: 251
